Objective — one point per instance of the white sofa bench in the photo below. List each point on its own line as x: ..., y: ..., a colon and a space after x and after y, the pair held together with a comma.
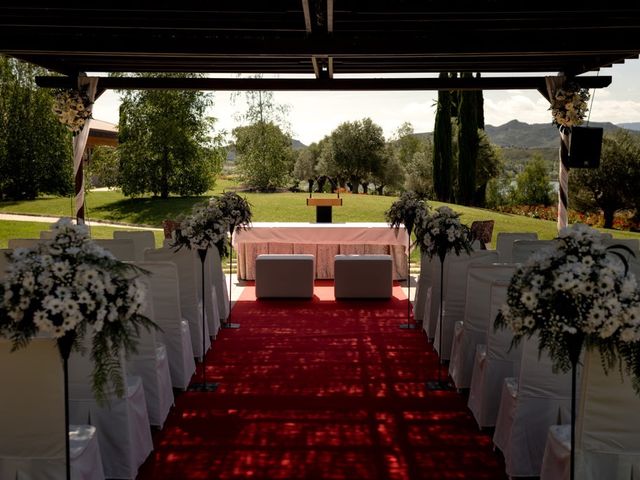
x: 285, y: 276
x: 363, y: 276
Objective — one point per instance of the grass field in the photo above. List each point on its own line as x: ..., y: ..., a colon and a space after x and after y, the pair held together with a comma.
x: 112, y: 206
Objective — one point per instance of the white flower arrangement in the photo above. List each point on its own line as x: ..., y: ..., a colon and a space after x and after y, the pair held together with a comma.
x: 441, y: 233
x: 68, y: 288
x: 406, y: 210
x: 235, y: 209
x: 569, y: 105
x: 72, y: 108
x: 204, y: 228
x: 577, y: 290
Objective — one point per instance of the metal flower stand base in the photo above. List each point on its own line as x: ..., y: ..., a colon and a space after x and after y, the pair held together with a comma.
x: 203, y: 386
x: 440, y: 383
x: 228, y: 323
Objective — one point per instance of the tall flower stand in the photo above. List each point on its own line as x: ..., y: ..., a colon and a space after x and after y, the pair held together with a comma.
x: 64, y: 347
x: 574, y: 346
x: 203, y: 386
x: 228, y: 323
x: 440, y: 384
x: 410, y: 325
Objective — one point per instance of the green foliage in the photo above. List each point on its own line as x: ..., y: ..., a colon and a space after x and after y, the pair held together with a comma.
x: 165, y: 143
x: 532, y: 185
x: 103, y: 169
x: 613, y: 186
x: 35, y: 149
x: 489, y: 164
x: 265, y: 157
x: 442, y: 152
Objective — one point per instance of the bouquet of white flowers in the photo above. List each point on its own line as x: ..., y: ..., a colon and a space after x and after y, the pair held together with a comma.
x: 69, y: 287
x: 405, y: 211
x: 235, y: 210
x: 441, y: 233
x: 569, y: 105
x: 72, y: 108
x: 204, y: 228
x: 573, y: 293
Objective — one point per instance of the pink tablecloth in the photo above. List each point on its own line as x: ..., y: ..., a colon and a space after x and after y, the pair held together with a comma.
x: 324, y: 240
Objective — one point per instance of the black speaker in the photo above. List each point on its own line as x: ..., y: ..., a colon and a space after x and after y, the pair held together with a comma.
x: 586, y: 145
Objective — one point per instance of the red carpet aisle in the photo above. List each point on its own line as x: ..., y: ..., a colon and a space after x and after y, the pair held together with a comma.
x: 321, y: 390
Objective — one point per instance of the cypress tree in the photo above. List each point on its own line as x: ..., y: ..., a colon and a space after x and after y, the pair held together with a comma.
x: 467, y: 145
x: 442, y: 153
x: 480, y: 106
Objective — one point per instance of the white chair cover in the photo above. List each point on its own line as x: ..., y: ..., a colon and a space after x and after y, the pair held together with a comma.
x: 164, y: 293
x: 142, y: 239
x: 124, y: 432
x: 189, y: 282
x: 523, y: 249
x: 455, y: 293
x: 123, y: 248
x: 425, y: 281
x: 32, y: 443
x: 151, y: 364
x: 504, y: 243
x: 430, y: 317
x: 218, y: 286
x: 472, y: 331
x: 607, y: 429
x: 493, y: 362
x: 529, y: 405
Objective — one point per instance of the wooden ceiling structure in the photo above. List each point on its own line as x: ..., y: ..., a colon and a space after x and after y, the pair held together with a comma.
x: 320, y: 44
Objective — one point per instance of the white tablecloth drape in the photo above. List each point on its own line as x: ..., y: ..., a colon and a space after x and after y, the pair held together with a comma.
x: 323, y: 240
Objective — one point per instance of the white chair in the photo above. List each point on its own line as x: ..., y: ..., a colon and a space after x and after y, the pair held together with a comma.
x: 190, y: 283
x: 432, y: 302
x: 493, y: 362
x: 32, y: 443
x: 523, y: 249
x: 151, y: 364
x: 472, y: 331
x: 425, y: 281
x: 529, y: 405
x: 218, y: 286
x: 164, y: 294
x: 504, y: 243
x: 455, y: 292
x: 123, y: 248
x: 607, y: 429
x: 124, y: 432
x: 142, y: 239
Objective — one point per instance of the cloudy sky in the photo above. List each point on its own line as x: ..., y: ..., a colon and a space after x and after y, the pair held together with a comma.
x: 312, y: 115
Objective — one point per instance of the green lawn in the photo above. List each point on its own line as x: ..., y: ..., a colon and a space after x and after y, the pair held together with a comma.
x: 112, y: 206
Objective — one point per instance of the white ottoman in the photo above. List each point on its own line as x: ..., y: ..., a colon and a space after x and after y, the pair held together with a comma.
x: 285, y: 276
x: 363, y: 276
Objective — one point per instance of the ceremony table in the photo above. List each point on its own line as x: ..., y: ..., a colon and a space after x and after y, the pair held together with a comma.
x: 323, y: 240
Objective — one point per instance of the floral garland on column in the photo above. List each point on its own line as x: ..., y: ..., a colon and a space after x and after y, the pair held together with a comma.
x: 578, y: 289
x: 73, y: 108
x: 69, y: 288
x: 569, y: 105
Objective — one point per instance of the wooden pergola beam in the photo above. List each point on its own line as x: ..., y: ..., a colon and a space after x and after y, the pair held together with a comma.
x: 352, y: 84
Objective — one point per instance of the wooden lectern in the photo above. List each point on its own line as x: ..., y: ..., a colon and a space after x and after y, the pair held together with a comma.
x: 323, y: 207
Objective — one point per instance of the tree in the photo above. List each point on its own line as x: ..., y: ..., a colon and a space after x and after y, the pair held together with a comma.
x: 357, y: 151
x: 35, y: 148
x: 489, y: 164
x: 103, y: 168
x: 612, y: 186
x: 406, y: 144
x: 165, y: 144
x: 306, y: 163
x: 265, y: 156
x: 419, y: 175
x: 390, y: 173
x: 468, y: 143
x: 533, y: 184
x: 442, y: 153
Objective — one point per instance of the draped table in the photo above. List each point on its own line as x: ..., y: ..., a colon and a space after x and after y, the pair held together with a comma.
x: 324, y: 241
